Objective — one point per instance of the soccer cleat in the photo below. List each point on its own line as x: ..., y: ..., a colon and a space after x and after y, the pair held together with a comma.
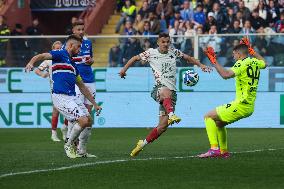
x: 137, y: 149
x: 64, y: 130
x: 85, y: 155
x: 211, y: 153
x: 55, y: 138
x: 173, y: 119
x: 225, y: 155
x: 69, y: 150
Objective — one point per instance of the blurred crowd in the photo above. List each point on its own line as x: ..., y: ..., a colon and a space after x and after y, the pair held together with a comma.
x: 186, y: 18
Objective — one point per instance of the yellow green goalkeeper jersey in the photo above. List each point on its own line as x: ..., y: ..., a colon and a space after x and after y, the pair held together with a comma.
x: 247, y: 73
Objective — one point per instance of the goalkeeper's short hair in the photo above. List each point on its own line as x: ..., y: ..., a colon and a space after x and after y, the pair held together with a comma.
x: 242, y: 48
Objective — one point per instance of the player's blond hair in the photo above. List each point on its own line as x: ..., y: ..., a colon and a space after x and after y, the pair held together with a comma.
x: 56, y: 43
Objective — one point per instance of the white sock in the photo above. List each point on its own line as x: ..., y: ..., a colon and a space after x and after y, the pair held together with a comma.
x: 70, y: 127
x: 144, y: 143
x: 171, y: 114
x: 53, y: 132
x: 83, y: 140
x: 74, y: 133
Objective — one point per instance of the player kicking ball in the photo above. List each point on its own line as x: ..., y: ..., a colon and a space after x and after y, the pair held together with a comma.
x: 246, y: 72
x: 163, y: 63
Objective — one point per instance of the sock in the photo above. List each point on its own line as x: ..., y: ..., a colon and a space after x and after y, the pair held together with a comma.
x: 167, y: 103
x: 65, y: 122
x: 83, y: 140
x: 222, y: 138
x: 70, y: 127
x: 77, y: 129
x: 53, y: 132
x: 144, y: 143
x: 54, y: 121
x: 153, y: 135
x: 211, y: 129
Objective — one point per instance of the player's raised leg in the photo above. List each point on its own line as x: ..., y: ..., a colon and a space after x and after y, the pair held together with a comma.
x: 167, y: 102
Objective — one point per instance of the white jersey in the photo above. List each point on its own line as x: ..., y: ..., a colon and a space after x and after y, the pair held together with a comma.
x: 163, y: 65
x: 47, y: 66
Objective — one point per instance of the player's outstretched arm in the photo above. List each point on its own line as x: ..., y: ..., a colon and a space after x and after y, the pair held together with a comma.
x: 36, y: 58
x: 194, y: 61
x: 224, y: 73
x: 41, y: 73
x: 85, y: 91
x: 130, y: 62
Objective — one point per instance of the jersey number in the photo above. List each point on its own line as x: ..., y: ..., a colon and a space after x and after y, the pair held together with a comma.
x: 253, y: 74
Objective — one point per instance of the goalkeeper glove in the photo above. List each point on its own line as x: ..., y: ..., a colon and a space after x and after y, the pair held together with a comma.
x: 246, y: 42
x: 209, y: 51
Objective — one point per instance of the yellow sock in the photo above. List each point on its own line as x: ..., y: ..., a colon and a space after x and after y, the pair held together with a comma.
x: 211, y: 129
x: 222, y: 138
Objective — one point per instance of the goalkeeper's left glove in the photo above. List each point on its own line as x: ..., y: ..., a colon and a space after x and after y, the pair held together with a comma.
x: 209, y: 51
x: 246, y: 42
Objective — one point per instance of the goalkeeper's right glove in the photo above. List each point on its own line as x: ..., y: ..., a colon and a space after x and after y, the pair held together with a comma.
x: 246, y: 42
x: 209, y: 51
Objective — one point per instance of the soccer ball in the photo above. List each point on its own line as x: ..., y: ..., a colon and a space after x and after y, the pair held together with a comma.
x: 190, y: 78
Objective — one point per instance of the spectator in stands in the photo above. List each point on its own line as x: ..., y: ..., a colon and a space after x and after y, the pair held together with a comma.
x: 186, y: 44
x: 165, y: 7
x: 177, y: 30
x: 146, y: 45
x: 209, y: 22
x: 207, y: 5
x: 213, y: 40
x: 199, y: 16
x: 152, y: 5
x: 4, y: 31
x: 187, y: 12
x: 239, y: 16
x: 68, y: 30
x: 251, y: 4
x: 220, y: 17
x: 34, y: 44
x: 128, y: 30
x: 247, y: 28
x: 262, y: 9
x: 138, y: 23
x: 19, y: 47
x: 235, y: 28
x: 128, y: 12
x: 154, y: 23
x: 256, y: 20
x: 230, y: 17
x: 228, y: 54
x: 115, y: 55
x: 144, y: 10
x: 273, y: 13
x: 279, y: 25
x: 260, y: 44
x: 163, y: 24
x: 176, y: 17
x: 131, y: 49
x: 244, y: 10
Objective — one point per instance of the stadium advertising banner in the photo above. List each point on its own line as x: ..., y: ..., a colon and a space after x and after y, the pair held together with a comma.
x: 60, y: 5
x: 25, y: 101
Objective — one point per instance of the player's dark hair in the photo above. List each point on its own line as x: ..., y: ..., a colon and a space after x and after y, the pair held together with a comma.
x: 164, y: 35
x: 78, y: 23
x: 74, y: 37
x: 242, y: 48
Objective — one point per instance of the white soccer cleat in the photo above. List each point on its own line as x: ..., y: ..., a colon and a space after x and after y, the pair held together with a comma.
x: 64, y: 130
x: 69, y: 150
x: 86, y: 155
x: 55, y: 138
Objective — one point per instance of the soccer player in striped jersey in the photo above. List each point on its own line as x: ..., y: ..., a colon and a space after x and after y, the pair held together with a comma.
x: 44, y: 70
x: 163, y: 63
x: 84, y: 61
x: 65, y: 76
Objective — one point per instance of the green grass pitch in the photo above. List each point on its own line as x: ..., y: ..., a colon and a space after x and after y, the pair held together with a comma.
x: 167, y: 163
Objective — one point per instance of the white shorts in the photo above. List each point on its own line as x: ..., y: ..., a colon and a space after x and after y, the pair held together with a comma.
x: 69, y: 106
x: 92, y: 89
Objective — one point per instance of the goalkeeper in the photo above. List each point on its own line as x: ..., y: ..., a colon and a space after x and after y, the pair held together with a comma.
x: 246, y: 72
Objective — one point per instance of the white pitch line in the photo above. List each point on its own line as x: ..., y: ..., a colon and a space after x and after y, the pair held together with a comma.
x: 118, y: 161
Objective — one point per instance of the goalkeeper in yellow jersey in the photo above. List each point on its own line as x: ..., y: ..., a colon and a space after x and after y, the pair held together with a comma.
x: 246, y: 72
